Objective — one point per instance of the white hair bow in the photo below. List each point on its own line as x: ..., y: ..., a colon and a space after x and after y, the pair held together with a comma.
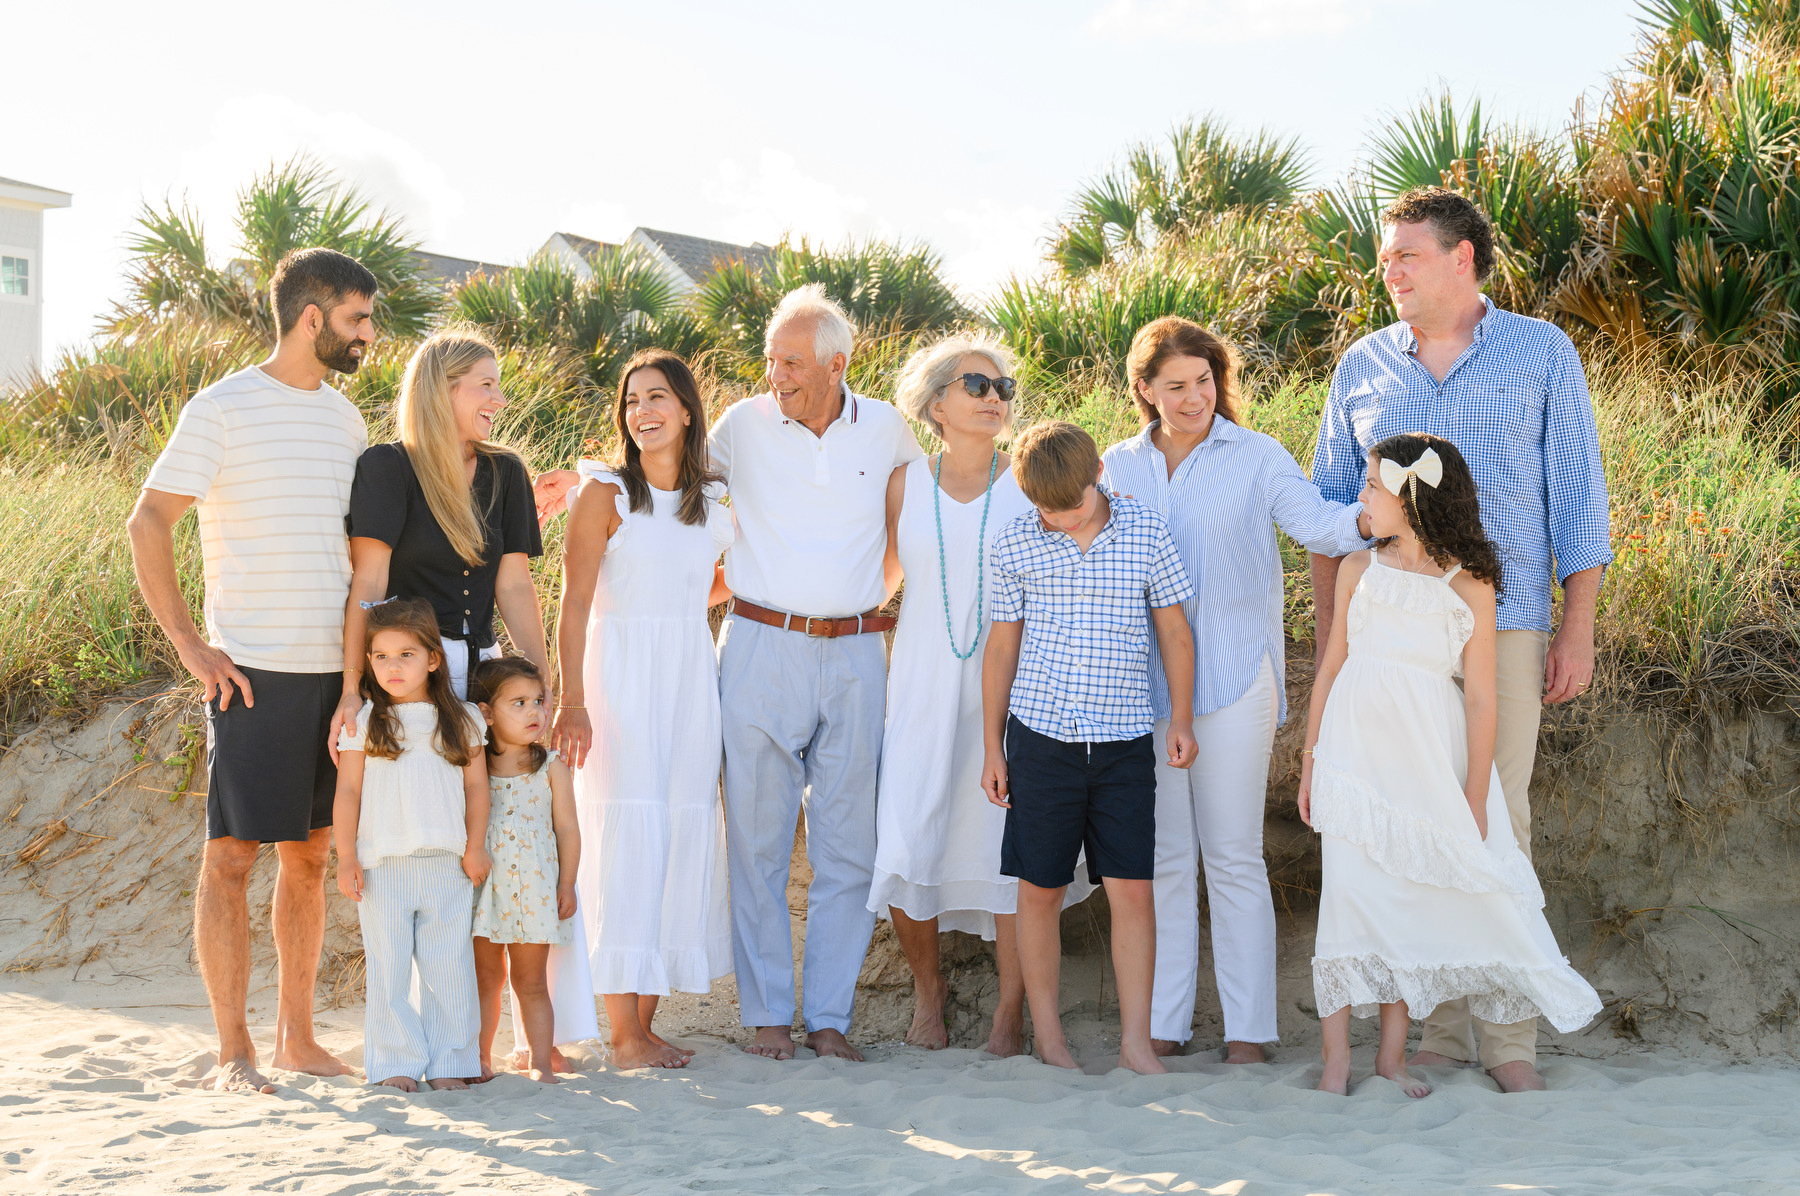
x: 1429, y: 468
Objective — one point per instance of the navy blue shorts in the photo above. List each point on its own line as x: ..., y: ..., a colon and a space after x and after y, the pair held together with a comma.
x: 269, y: 775
x: 1070, y: 796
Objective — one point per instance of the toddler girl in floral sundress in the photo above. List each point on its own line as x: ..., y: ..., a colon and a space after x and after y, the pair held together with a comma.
x: 523, y: 908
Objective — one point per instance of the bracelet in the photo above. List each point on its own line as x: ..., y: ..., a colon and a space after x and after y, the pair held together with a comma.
x: 1306, y: 751
x: 561, y: 706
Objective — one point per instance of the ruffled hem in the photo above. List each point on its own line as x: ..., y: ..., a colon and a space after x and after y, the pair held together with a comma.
x: 1346, y: 807
x: 1501, y: 993
x: 654, y: 973
x: 1416, y: 594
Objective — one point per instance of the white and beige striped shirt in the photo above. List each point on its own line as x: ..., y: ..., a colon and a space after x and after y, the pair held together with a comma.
x: 269, y: 467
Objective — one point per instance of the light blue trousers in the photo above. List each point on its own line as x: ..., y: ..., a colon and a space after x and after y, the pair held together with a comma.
x: 802, y: 720
x: 417, y: 909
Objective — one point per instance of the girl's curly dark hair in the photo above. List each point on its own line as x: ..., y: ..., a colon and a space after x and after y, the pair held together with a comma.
x: 384, y: 737
x: 1447, y: 517
x: 488, y: 678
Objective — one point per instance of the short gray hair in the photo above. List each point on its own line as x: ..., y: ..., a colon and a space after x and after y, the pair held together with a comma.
x: 833, y: 333
x: 931, y: 370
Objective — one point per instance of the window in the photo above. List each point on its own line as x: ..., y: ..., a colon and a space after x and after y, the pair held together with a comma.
x: 15, y: 276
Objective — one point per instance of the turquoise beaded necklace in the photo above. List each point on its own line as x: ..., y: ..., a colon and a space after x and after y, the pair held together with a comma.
x: 980, y: 554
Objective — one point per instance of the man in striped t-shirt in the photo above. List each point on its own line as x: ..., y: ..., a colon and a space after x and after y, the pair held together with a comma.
x: 266, y: 458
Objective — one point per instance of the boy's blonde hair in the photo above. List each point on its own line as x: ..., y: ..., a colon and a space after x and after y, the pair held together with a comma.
x: 1055, y: 462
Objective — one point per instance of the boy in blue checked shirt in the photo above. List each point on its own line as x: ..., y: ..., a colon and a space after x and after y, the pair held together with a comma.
x: 1065, y: 687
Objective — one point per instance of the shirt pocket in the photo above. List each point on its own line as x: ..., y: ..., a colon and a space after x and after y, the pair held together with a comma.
x: 1514, y: 402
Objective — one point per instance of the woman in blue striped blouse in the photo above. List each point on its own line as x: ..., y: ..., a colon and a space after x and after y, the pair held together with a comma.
x: 1223, y: 489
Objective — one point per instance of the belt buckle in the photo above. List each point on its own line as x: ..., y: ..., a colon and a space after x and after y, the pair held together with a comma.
x: 810, y: 619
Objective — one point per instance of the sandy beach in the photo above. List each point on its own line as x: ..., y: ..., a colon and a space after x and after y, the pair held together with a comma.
x: 100, y: 1096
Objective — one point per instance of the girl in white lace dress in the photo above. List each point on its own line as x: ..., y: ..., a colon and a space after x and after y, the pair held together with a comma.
x: 1426, y: 895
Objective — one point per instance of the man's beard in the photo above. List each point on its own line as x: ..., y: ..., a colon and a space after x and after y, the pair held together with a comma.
x: 333, y: 351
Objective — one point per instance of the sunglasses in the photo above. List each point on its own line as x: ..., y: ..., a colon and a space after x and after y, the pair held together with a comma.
x: 977, y: 385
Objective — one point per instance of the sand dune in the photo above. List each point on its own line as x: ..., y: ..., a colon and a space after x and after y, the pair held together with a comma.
x: 99, y: 1096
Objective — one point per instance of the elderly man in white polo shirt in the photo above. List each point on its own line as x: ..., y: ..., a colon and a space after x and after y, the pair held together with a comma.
x: 802, y: 667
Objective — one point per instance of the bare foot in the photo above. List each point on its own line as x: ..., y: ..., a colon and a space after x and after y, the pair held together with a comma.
x: 448, y: 1084
x: 1337, y: 1076
x: 238, y: 1075
x: 659, y: 1040
x: 1409, y: 1084
x: 1517, y: 1076
x: 1007, y: 1038
x: 629, y: 1054
x: 520, y: 1060
x: 1165, y: 1047
x: 403, y: 1083
x: 928, y: 1030
x: 543, y: 1077
x: 830, y: 1044
x: 1245, y: 1052
x: 487, y: 1073
x: 772, y: 1042
x: 1433, y: 1059
x: 1141, y: 1059
x: 1056, y: 1054
x: 310, y: 1058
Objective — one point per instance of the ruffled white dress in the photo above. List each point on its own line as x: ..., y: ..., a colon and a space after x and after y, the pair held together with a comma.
x: 938, y: 837
x: 652, y: 881
x: 1415, y: 906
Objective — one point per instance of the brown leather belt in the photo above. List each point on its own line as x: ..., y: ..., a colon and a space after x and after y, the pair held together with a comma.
x: 815, y: 625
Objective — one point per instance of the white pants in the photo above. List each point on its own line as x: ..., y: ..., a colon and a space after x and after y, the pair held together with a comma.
x: 416, y: 910
x: 1214, y: 812
x: 456, y: 662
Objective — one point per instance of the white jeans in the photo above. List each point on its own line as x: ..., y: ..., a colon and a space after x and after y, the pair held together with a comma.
x: 456, y: 662
x: 1214, y: 812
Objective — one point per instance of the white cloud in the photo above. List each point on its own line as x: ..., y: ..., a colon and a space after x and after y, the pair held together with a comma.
x: 992, y: 241
x: 776, y: 196
x: 1222, y: 22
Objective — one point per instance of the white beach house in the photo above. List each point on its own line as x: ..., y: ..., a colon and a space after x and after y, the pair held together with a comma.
x: 22, y: 274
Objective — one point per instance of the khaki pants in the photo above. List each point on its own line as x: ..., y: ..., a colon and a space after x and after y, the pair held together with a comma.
x: 1519, y: 674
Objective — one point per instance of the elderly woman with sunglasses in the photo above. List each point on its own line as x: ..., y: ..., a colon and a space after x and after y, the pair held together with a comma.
x: 937, y: 858
x: 1224, y: 489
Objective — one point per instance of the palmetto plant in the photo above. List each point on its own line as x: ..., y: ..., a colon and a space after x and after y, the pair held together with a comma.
x: 294, y: 206
x: 624, y: 304
x: 1162, y: 193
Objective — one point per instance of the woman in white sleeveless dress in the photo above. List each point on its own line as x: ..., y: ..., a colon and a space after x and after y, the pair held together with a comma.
x: 639, y: 715
x: 937, y: 856
x: 1426, y: 895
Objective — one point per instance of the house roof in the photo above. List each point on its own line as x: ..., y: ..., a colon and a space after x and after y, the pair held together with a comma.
x: 698, y: 257
x: 454, y: 271
x: 48, y: 197
x: 585, y: 246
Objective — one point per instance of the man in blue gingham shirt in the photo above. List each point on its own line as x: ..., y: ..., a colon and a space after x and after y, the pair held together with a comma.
x: 1509, y: 392
x: 1084, y: 667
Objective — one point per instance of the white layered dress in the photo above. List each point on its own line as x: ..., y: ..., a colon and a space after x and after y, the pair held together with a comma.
x: 1415, y: 905
x: 652, y: 882
x: 938, y: 837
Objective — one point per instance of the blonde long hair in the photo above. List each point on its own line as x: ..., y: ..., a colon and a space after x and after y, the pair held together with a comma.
x: 427, y: 427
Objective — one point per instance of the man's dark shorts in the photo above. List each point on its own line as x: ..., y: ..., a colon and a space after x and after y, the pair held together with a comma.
x: 1067, y: 796
x: 269, y: 775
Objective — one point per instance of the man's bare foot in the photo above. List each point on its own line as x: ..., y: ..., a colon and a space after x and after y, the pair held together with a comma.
x: 1337, y: 1076
x: 1409, y: 1084
x: 928, y: 1029
x: 403, y: 1083
x: 448, y: 1084
x: 1007, y: 1038
x: 1433, y: 1059
x: 830, y: 1044
x: 1245, y: 1052
x: 521, y: 1060
x: 1165, y: 1047
x: 659, y: 1040
x: 1517, y: 1076
x: 238, y: 1075
x: 629, y: 1054
x: 543, y: 1077
x: 772, y: 1042
x: 1056, y: 1054
x: 310, y: 1058
x: 1141, y: 1059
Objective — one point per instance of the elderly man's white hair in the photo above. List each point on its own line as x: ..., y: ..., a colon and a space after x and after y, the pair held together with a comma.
x: 931, y: 370
x: 833, y: 333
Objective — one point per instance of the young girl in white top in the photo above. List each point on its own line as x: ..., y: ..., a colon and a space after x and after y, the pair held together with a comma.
x: 1426, y: 895
x: 526, y: 905
x: 410, y: 819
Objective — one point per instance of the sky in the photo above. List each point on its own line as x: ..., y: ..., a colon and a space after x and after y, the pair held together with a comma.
x: 965, y: 124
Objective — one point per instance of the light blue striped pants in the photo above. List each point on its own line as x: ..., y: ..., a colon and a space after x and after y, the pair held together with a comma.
x: 417, y: 909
